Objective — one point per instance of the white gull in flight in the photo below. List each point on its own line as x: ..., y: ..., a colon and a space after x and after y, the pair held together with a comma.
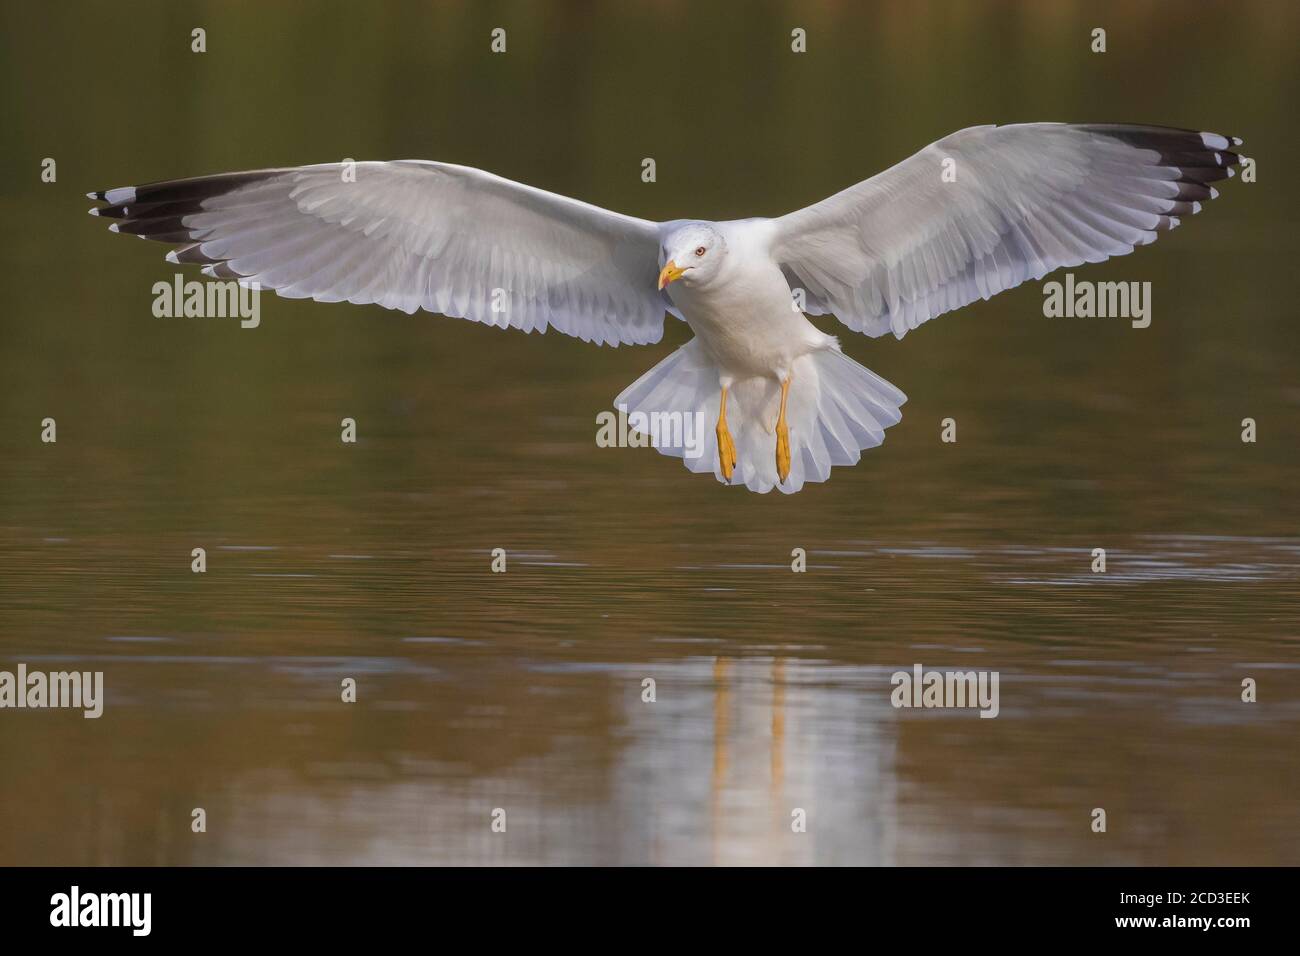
x: 975, y: 213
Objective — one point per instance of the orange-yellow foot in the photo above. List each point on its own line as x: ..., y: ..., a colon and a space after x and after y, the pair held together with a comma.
x: 783, y: 437
x: 726, y: 451
x: 726, y: 447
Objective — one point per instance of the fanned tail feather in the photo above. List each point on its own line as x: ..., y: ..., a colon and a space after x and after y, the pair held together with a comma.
x: 836, y: 408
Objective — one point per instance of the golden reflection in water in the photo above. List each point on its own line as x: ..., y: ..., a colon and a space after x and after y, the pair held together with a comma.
x: 748, y: 774
x: 778, y: 731
x: 721, y: 714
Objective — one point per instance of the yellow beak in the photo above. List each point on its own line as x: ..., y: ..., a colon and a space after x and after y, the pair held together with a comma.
x: 669, y: 273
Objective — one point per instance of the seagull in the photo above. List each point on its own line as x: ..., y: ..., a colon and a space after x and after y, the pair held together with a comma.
x: 972, y: 214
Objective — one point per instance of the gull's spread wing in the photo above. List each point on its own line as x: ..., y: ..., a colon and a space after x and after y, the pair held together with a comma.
x: 412, y: 235
x: 988, y: 208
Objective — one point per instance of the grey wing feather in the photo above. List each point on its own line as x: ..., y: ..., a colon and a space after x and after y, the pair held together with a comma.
x: 988, y: 208
x: 413, y: 235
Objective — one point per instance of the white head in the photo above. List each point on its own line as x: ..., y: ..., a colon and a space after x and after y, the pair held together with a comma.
x: 693, y: 254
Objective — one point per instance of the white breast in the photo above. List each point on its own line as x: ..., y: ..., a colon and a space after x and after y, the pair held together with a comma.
x: 745, y: 317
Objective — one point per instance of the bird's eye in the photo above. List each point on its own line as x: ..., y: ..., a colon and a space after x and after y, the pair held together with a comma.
x: 699, y: 251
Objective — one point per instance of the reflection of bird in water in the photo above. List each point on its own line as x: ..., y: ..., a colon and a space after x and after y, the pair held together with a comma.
x: 722, y: 740
x: 721, y: 709
x: 977, y: 212
x: 778, y: 728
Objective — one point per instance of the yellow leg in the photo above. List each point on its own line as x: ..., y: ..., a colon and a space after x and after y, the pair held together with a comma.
x: 783, y: 437
x: 726, y: 447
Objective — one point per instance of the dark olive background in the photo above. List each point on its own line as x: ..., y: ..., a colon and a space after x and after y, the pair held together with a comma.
x: 523, y: 691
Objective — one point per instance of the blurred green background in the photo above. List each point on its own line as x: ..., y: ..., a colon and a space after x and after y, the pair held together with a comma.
x: 523, y: 690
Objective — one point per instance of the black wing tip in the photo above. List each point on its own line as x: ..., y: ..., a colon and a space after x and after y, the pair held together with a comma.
x: 177, y: 192
x: 1199, y: 157
x: 158, y: 210
x: 1172, y: 138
